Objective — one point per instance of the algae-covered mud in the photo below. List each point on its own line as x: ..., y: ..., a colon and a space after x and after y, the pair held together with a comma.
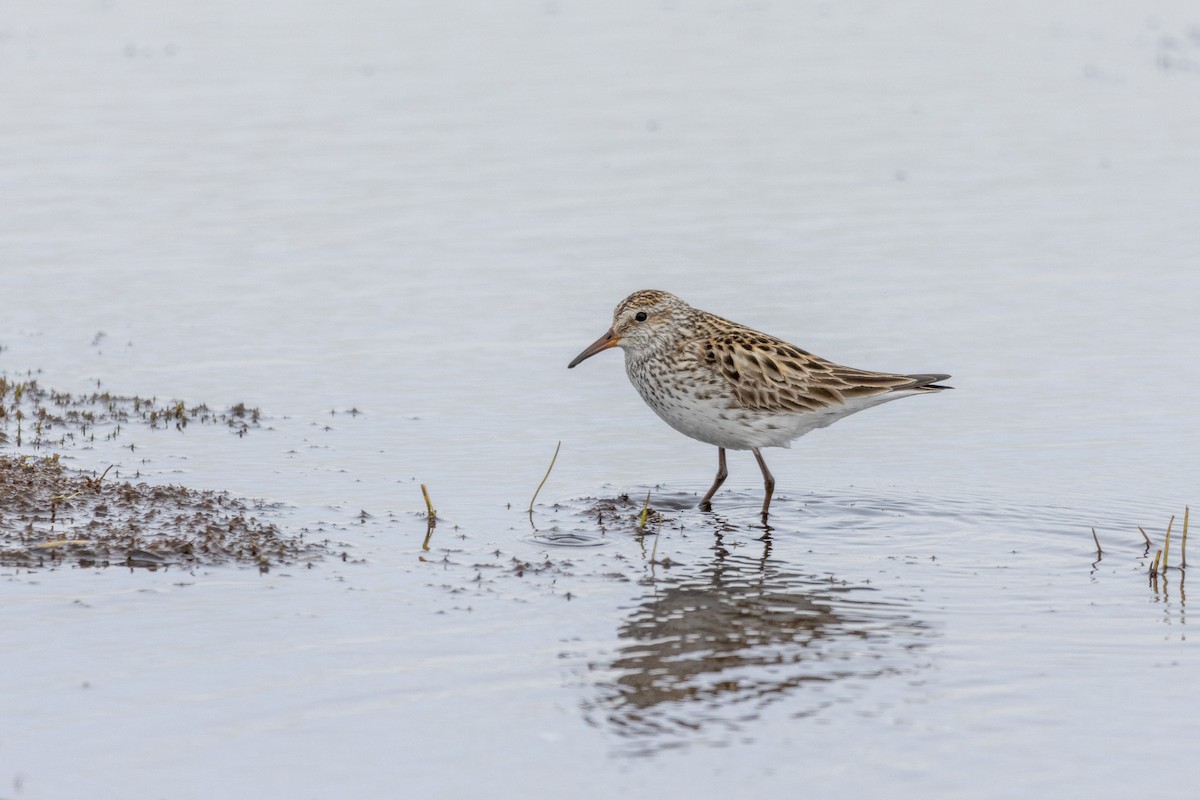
x: 53, y: 515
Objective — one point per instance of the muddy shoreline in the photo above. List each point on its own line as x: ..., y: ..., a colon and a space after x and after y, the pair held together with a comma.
x: 52, y: 515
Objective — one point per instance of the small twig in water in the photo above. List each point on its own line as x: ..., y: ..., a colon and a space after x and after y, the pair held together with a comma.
x: 544, y: 477
x: 1099, y: 552
x: 430, y: 516
x: 428, y: 505
x: 645, y: 510
x: 1144, y: 536
x: 1154, y: 564
x: 94, y: 483
x: 1167, y: 545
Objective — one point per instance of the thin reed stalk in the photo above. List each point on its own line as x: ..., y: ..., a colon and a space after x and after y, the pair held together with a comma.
x: 1183, y: 541
x: 1167, y: 545
x: 544, y: 477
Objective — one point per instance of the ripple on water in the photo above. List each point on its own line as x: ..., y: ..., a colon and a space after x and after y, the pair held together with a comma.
x: 557, y: 538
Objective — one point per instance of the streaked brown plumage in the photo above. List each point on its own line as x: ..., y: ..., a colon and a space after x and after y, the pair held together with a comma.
x: 734, y: 387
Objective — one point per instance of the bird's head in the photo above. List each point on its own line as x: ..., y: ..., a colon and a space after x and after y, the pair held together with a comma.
x: 644, y: 321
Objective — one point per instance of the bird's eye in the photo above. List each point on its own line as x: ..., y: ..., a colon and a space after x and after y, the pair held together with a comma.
x: 640, y: 316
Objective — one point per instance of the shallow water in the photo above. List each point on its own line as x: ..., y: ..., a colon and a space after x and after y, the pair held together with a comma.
x: 422, y: 214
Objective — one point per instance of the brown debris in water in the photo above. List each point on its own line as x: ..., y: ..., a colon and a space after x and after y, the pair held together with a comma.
x: 625, y: 513
x: 51, y: 516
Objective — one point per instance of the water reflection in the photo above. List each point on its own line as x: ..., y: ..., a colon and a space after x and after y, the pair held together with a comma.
x: 1174, y: 603
x: 708, y: 647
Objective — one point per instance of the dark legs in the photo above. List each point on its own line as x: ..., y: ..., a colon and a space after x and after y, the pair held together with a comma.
x: 768, y: 479
x: 722, y: 474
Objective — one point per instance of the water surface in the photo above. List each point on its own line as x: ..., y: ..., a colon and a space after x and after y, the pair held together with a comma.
x: 419, y: 215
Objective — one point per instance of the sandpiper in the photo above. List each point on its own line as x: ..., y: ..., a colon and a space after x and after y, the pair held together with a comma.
x: 736, y: 388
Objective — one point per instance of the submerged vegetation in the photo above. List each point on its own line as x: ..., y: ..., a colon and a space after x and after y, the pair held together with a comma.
x: 34, y: 416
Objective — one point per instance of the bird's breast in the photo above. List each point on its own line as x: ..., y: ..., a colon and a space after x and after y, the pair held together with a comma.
x: 697, y: 403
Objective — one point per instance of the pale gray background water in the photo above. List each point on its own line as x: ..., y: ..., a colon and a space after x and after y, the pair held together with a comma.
x: 424, y: 211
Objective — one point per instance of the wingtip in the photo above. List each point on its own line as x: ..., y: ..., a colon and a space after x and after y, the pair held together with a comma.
x: 929, y: 381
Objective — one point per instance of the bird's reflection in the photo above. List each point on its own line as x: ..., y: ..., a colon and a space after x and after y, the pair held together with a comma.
x: 707, y: 648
